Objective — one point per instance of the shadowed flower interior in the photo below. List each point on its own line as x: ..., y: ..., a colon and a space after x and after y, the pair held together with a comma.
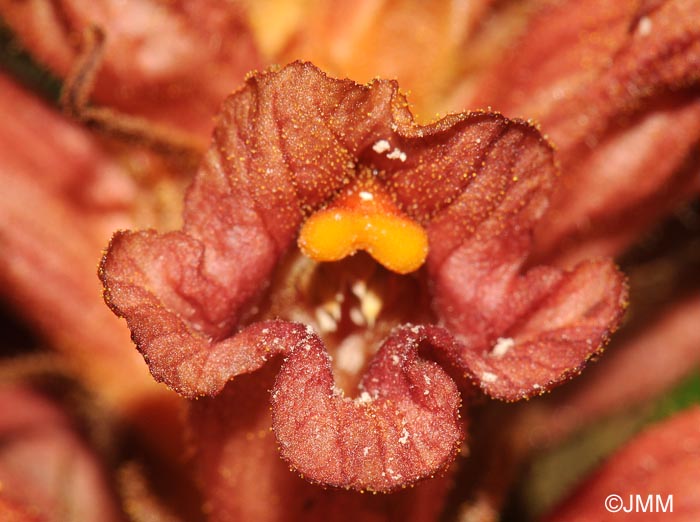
x: 336, y: 167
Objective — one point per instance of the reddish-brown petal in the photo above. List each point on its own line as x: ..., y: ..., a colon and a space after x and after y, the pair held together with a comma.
x: 147, y: 276
x: 575, y: 80
x: 670, y: 341
x: 522, y: 331
x: 404, y: 425
x: 663, y: 461
x: 554, y: 336
x: 173, y: 62
x: 243, y: 478
x: 615, y: 87
x: 285, y: 144
x: 624, y: 183
x: 564, y: 46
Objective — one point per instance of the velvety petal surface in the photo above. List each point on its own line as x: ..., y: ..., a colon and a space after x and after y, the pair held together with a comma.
x: 522, y: 329
x: 284, y: 145
x: 403, y: 426
x: 669, y: 341
x: 13, y: 512
x: 237, y: 452
x: 544, y: 338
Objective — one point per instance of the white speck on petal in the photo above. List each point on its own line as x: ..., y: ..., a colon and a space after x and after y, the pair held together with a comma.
x: 366, y: 196
x: 364, y: 398
x: 644, y: 26
x: 404, y: 436
x: 502, y: 346
x: 381, y: 146
x: 397, y: 154
x: 489, y: 377
x: 393, y: 475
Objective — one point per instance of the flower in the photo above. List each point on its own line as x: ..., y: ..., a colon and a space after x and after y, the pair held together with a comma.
x: 629, y: 68
x: 285, y: 145
x: 602, y: 80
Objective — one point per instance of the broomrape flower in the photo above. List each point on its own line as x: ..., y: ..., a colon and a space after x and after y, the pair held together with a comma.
x: 463, y: 197
x: 471, y: 272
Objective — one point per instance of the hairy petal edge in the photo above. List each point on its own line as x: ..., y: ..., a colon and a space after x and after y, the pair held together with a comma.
x: 404, y: 426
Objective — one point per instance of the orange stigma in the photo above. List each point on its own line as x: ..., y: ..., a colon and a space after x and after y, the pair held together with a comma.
x: 365, y: 218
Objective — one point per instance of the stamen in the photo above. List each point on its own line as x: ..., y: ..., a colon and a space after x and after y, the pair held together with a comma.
x: 365, y: 218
